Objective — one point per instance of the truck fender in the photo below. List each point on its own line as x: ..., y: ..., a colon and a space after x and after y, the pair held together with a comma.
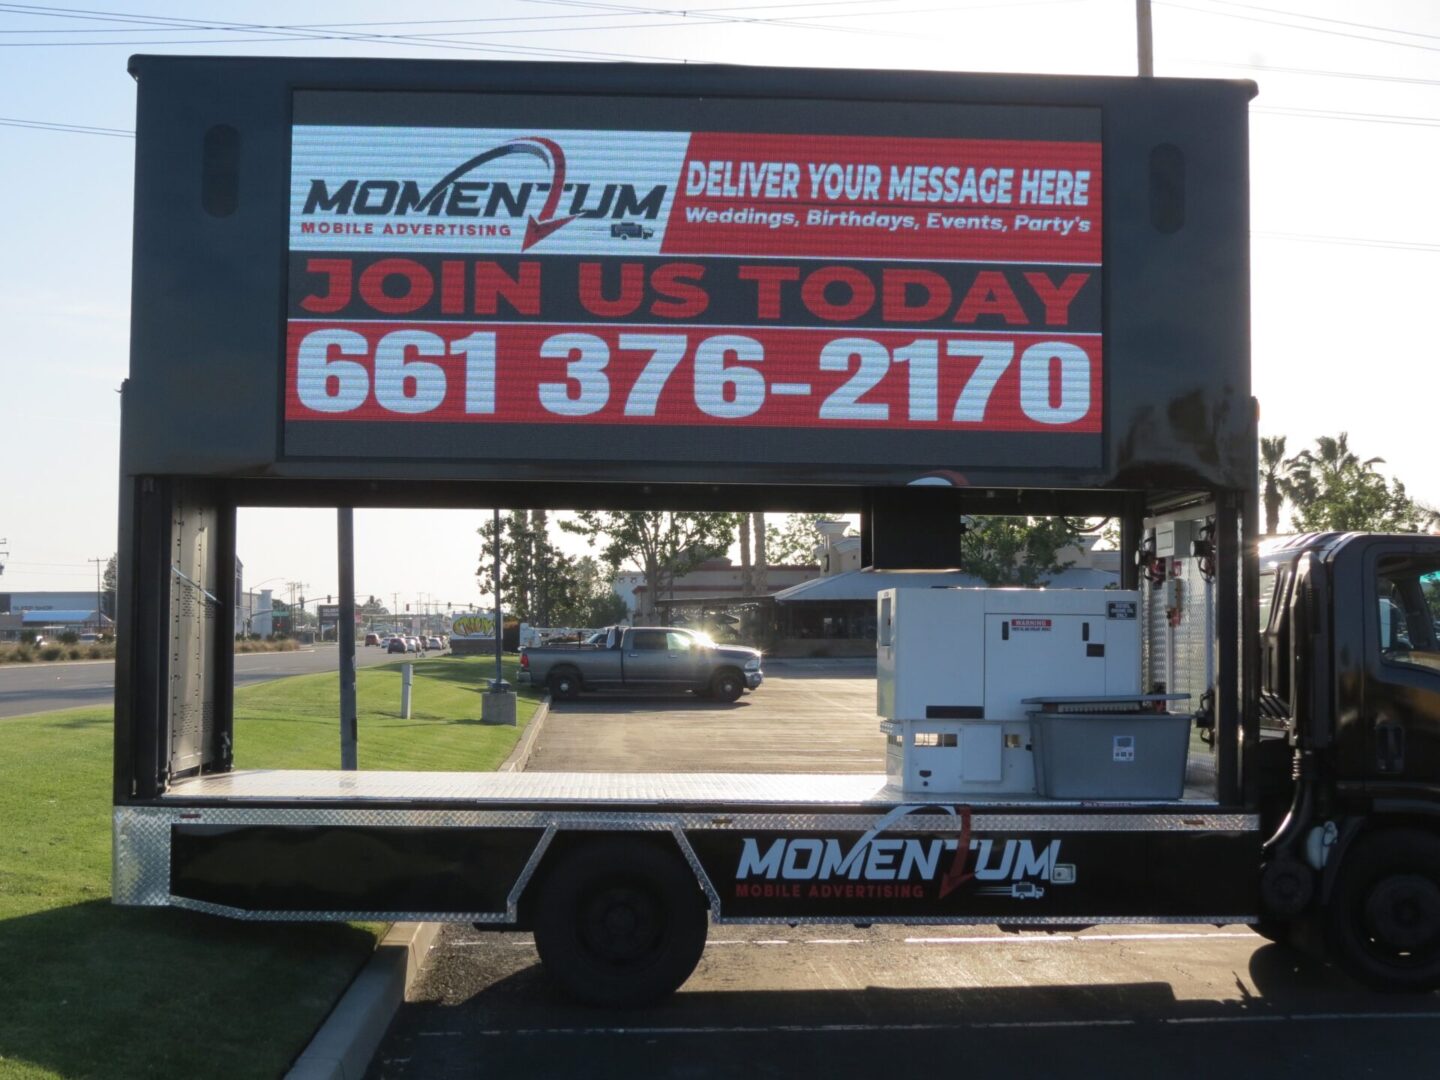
x: 1386, y: 814
x: 564, y: 841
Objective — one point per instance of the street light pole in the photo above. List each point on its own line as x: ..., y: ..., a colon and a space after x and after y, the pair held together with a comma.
x: 1144, y: 38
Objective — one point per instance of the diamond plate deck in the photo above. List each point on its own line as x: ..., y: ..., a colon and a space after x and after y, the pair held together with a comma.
x: 623, y: 790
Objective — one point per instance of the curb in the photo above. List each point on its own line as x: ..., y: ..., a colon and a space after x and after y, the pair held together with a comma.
x: 520, y: 756
x: 345, y: 1043
x: 347, y: 1040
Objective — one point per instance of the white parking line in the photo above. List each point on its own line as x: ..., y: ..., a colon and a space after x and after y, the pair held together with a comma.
x: 650, y: 1032
x: 1048, y: 939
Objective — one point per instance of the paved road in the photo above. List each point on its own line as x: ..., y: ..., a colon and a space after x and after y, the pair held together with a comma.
x: 32, y: 688
x: 1113, y: 1002
x: 806, y: 717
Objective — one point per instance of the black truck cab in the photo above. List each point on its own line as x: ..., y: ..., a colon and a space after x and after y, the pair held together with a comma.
x: 1350, y: 753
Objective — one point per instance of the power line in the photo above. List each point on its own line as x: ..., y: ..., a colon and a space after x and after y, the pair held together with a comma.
x: 1322, y: 72
x: 1322, y: 18
x: 421, y: 41
x: 1336, y: 114
x: 673, y: 18
x: 1350, y: 241
x: 73, y: 129
x: 1297, y: 26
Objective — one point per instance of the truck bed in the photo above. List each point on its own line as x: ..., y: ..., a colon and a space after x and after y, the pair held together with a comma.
x: 631, y: 791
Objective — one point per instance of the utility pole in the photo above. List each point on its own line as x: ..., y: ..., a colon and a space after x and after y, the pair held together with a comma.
x: 1144, y: 38
x: 3, y: 554
x: 293, y: 586
x: 99, y: 596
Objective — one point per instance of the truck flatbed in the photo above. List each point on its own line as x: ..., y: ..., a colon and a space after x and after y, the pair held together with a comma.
x: 632, y: 791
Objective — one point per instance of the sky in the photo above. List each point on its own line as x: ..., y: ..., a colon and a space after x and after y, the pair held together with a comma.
x: 1345, y: 252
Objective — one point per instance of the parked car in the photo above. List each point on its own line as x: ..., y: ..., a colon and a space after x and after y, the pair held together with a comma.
x: 372, y: 638
x: 397, y: 645
x: 643, y: 656
x: 413, y: 644
x: 434, y: 643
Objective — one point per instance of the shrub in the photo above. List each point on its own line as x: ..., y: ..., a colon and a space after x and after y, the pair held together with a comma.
x: 24, y: 654
x: 52, y: 652
x: 69, y: 637
x: 27, y: 637
x: 75, y: 653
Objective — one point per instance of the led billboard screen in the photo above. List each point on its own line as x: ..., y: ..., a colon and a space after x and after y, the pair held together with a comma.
x: 511, y: 277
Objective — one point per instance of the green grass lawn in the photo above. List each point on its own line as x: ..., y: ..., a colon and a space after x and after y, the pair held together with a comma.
x: 92, y: 990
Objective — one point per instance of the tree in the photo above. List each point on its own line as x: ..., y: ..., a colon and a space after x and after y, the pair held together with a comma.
x: 1015, y: 550
x: 665, y: 543
x: 796, y: 540
x: 1332, y: 489
x: 592, y: 601
x: 1275, y: 485
x: 536, y: 577
x: 108, y: 583
x: 373, y: 606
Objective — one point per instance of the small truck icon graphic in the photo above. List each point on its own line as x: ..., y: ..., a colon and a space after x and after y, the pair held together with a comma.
x: 630, y: 230
x: 1026, y: 890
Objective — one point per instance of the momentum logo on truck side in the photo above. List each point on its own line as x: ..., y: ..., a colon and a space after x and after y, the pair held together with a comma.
x: 895, y: 867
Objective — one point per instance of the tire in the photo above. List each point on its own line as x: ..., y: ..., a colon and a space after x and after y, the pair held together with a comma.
x: 564, y: 684
x: 620, y: 922
x: 1383, y: 919
x: 727, y: 685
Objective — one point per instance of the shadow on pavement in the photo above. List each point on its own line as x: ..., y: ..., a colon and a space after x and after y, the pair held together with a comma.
x: 506, y: 1019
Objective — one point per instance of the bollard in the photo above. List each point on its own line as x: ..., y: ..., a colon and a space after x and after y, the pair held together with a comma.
x: 407, y: 676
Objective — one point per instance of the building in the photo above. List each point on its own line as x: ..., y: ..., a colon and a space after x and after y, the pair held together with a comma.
x: 716, y: 579
x: 255, y: 613
x: 50, y: 614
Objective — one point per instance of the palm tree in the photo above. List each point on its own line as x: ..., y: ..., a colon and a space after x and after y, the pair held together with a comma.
x: 1312, y: 473
x: 747, y: 583
x: 762, y: 562
x: 1274, y: 480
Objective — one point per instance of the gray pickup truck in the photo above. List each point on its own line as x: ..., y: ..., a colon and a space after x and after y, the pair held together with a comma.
x: 621, y: 657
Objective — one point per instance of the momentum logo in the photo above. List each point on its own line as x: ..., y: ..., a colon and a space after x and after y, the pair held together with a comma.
x: 877, y: 858
x: 454, y: 196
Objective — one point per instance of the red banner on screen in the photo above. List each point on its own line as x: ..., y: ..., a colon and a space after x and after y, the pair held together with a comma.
x: 887, y: 198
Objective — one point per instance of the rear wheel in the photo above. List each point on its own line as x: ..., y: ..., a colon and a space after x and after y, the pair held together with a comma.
x: 1383, y: 921
x: 728, y: 685
x: 564, y: 685
x: 620, y: 922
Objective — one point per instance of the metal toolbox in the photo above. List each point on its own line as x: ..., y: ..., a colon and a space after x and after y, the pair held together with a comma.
x: 1135, y: 755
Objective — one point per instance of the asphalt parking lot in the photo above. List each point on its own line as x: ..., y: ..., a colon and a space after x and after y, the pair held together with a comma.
x: 1112, y: 1002
x: 808, y: 717
x: 777, y: 1001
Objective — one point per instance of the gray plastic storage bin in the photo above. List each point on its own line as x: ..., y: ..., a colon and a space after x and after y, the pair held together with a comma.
x: 1110, y: 755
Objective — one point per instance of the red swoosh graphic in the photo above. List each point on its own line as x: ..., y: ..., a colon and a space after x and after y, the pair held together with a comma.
x: 957, y: 875
x: 536, y: 229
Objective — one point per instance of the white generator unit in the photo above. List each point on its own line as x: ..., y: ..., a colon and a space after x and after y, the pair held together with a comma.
x: 955, y: 665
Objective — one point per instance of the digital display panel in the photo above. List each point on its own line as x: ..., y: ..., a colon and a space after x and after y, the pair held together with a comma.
x: 855, y: 289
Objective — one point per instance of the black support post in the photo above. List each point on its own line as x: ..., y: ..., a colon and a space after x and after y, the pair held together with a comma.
x: 1227, y: 646
x: 349, y: 724
x: 1250, y: 649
